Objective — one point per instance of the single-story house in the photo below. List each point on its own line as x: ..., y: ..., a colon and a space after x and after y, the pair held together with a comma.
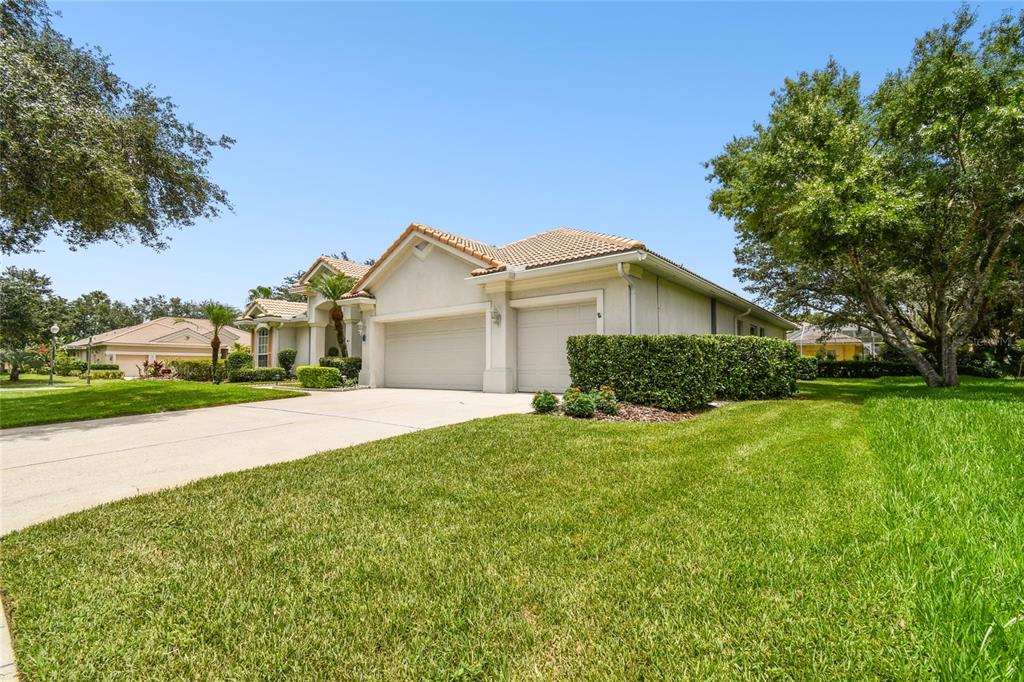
x: 163, y: 339
x: 812, y: 340
x: 438, y: 310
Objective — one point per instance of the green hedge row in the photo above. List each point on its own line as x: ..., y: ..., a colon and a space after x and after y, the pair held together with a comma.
x: 311, y: 376
x: 863, y: 369
x: 258, y: 374
x: 677, y: 372
x: 349, y: 367
x: 105, y: 374
x: 104, y: 366
x: 197, y: 370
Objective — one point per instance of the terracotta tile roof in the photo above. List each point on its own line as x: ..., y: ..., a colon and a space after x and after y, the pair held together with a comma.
x: 346, y: 267
x: 154, y: 329
x: 278, y: 308
x: 560, y: 245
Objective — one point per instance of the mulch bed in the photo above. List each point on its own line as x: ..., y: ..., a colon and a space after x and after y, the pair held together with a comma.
x: 640, y: 413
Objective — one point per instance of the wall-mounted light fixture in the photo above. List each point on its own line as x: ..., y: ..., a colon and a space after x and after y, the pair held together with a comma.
x: 361, y: 330
x: 495, y: 316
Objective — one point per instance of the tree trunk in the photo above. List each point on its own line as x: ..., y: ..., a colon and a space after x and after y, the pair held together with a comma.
x: 338, y: 317
x: 950, y: 375
x: 215, y: 346
x: 15, y: 373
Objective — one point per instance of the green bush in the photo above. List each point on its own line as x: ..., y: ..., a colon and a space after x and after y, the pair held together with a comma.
x: 197, y: 370
x: 864, y: 369
x: 258, y: 374
x: 286, y: 359
x: 64, y: 364
x: 106, y: 374
x: 333, y: 352
x: 349, y: 367
x: 544, y: 402
x: 238, y: 359
x: 807, y: 367
x: 677, y: 372
x: 311, y: 376
x: 576, y: 403
x: 605, y: 401
x: 102, y: 365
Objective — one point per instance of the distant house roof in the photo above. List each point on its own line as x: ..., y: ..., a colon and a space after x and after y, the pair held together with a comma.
x: 809, y: 333
x: 187, y: 331
x: 272, y: 307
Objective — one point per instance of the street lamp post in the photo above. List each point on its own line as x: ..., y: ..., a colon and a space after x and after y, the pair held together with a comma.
x: 53, y: 348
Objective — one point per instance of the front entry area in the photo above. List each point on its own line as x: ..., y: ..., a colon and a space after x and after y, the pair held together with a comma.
x: 438, y: 353
x: 540, y: 342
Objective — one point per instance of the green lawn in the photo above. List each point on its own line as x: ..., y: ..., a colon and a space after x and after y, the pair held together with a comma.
x: 868, y: 530
x: 31, y: 380
x: 119, y: 398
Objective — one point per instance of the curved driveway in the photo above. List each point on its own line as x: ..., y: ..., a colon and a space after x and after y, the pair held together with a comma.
x: 49, y: 471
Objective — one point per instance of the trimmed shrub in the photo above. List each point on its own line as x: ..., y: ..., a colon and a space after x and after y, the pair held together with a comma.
x: 333, y: 352
x: 806, y: 367
x: 349, y: 367
x: 605, y: 401
x: 238, y: 359
x: 100, y: 365
x: 544, y: 402
x: 197, y: 370
x: 258, y: 374
x: 576, y: 403
x: 106, y: 374
x: 286, y: 359
x: 755, y: 367
x: 864, y: 369
x: 678, y: 372
x: 311, y: 376
x: 64, y: 364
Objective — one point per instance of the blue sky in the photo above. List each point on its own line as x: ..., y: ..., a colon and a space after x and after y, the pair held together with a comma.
x: 495, y: 121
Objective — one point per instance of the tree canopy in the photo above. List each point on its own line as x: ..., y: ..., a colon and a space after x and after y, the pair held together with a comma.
x: 899, y: 210
x: 86, y: 155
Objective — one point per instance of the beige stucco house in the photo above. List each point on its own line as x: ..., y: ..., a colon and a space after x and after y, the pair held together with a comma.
x: 163, y: 338
x: 437, y: 310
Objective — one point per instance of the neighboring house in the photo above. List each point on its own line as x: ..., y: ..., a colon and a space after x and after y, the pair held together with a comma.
x: 437, y: 310
x: 164, y: 338
x: 812, y: 340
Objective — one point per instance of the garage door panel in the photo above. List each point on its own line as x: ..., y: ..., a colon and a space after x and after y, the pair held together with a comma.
x: 443, y: 353
x: 130, y: 364
x: 540, y: 343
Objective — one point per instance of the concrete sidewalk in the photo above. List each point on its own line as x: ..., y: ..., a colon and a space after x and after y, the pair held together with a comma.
x: 49, y: 471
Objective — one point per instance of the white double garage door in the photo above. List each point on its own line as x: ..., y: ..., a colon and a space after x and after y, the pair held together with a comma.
x: 451, y: 353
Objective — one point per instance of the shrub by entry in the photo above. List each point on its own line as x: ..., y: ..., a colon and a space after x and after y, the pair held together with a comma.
x: 311, y: 376
x: 544, y: 402
x: 349, y: 367
x: 576, y: 403
x: 677, y: 372
x: 257, y: 374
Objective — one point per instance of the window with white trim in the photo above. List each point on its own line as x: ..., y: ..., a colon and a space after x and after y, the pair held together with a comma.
x: 263, y: 347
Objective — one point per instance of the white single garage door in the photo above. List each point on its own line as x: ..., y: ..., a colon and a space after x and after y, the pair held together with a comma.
x: 130, y: 364
x: 540, y: 344
x: 440, y: 353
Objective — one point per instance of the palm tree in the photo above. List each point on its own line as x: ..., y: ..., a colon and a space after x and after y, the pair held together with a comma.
x: 333, y: 287
x: 20, y: 360
x: 260, y: 292
x: 219, y: 316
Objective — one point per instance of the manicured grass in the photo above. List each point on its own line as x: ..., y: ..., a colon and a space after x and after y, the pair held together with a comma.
x: 120, y: 398
x: 871, y: 529
x: 37, y: 380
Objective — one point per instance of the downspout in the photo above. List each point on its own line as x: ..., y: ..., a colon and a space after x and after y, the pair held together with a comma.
x: 629, y: 288
x: 740, y: 317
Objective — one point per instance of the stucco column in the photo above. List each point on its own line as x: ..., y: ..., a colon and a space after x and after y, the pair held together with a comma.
x: 500, y: 375
x: 316, y: 341
x: 372, y: 372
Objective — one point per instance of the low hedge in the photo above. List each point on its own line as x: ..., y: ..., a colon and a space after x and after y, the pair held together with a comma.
x: 312, y: 376
x: 807, y: 367
x: 238, y: 359
x: 102, y: 366
x: 864, y: 369
x: 105, y: 374
x: 197, y: 370
x: 349, y: 367
x: 677, y: 372
x: 258, y: 374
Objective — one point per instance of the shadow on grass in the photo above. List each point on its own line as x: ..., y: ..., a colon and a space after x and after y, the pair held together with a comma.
x: 855, y: 391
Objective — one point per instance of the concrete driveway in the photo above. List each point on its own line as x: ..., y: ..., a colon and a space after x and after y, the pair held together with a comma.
x: 49, y: 471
